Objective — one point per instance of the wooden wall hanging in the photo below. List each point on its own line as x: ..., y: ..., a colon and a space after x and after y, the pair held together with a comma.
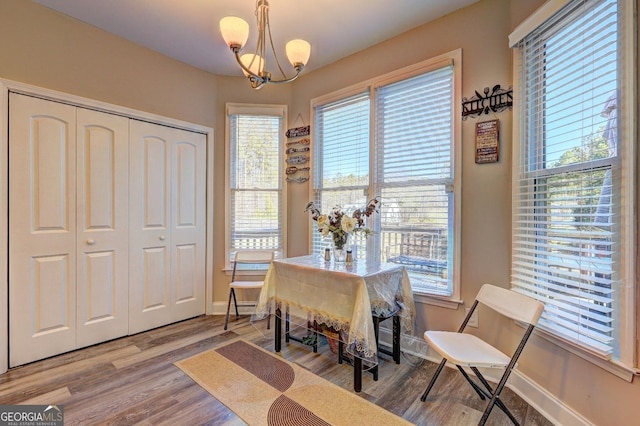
x: 487, y: 141
x: 298, y: 153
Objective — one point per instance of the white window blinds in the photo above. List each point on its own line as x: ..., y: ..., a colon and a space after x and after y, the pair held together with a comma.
x: 567, y: 199
x: 414, y: 175
x: 341, y: 142
x: 255, y: 181
x: 393, y: 137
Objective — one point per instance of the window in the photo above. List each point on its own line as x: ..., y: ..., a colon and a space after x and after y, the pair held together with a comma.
x: 255, y: 200
x: 573, y: 180
x: 394, y: 137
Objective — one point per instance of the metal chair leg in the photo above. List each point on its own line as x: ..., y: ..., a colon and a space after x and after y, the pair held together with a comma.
x: 481, y: 392
x: 226, y: 318
x: 433, y: 379
x: 495, y: 399
x: 235, y: 302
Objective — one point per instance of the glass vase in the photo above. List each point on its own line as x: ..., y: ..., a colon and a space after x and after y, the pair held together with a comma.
x: 340, y: 247
x: 339, y: 255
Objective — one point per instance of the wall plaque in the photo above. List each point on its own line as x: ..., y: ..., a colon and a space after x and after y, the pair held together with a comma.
x: 487, y: 142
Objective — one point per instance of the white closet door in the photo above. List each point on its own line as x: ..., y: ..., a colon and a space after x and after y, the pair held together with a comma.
x: 42, y: 229
x: 166, y: 225
x: 149, y: 226
x: 188, y: 222
x: 103, y: 233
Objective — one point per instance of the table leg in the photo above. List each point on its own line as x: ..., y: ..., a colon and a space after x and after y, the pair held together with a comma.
x: 357, y: 374
x: 396, y: 339
x: 286, y: 327
x: 278, y: 330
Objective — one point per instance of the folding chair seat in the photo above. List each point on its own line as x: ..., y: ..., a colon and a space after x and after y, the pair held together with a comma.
x: 246, y: 257
x: 467, y: 350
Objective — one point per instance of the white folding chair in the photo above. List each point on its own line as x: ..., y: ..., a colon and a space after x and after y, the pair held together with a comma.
x: 467, y: 350
x: 245, y: 257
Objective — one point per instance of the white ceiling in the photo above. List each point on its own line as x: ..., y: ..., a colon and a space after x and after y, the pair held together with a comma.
x: 187, y: 30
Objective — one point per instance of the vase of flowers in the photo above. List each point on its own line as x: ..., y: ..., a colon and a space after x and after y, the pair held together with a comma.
x: 340, y: 226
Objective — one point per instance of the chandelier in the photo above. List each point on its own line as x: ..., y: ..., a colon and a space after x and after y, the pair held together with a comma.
x: 235, y: 32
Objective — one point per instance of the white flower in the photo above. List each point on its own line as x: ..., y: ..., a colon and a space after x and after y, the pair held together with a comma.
x: 348, y: 224
x: 339, y: 224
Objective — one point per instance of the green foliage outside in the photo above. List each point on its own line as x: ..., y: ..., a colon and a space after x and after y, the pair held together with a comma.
x: 580, y: 189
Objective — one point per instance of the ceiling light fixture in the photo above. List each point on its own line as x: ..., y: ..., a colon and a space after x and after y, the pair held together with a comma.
x: 235, y: 32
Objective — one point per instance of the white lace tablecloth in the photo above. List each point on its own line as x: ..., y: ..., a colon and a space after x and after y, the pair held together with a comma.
x: 339, y: 295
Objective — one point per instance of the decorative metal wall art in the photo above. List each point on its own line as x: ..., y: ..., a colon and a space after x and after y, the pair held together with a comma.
x: 495, y: 100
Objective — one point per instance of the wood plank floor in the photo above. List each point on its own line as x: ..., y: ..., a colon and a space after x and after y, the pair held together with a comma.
x: 132, y: 380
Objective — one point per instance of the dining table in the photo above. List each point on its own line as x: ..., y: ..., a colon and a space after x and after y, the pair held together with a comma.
x: 309, y: 290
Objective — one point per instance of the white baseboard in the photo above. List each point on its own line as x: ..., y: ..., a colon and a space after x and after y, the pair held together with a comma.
x: 535, y: 395
x: 220, y: 308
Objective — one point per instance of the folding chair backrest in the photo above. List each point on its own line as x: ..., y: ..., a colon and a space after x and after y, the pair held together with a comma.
x: 254, y: 256
x: 510, y: 304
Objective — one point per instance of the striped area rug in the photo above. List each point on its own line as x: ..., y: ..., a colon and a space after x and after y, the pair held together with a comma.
x: 264, y: 389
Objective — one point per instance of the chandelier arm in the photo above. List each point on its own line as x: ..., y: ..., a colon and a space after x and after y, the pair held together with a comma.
x: 263, y: 76
x: 262, y: 80
x: 273, y: 49
x: 262, y: 15
x: 287, y: 80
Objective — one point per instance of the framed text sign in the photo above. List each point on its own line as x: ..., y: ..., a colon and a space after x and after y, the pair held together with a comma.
x: 487, y: 141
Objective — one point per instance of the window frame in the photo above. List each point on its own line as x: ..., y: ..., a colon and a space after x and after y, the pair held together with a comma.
x: 454, y: 59
x: 254, y: 109
x: 624, y: 366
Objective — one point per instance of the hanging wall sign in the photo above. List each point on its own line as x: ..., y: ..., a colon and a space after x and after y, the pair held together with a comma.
x: 298, y: 131
x: 494, y: 100
x: 487, y: 142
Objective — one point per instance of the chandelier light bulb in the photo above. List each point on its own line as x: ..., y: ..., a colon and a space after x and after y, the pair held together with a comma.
x: 235, y: 31
x: 298, y: 52
x: 255, y: 63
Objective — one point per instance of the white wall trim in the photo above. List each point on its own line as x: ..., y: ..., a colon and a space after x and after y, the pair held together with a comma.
x: 4, y: 228
x: 220, y: 308
x: 535, y: 395
x: 538, y: 17
x: 7, y: 86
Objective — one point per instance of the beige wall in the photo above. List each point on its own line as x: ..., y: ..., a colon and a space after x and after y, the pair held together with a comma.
x: 44, y: 48
x: 48, y: 49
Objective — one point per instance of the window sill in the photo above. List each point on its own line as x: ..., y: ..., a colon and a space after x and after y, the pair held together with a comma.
x: 441, y: 301
x: 616, y: 368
